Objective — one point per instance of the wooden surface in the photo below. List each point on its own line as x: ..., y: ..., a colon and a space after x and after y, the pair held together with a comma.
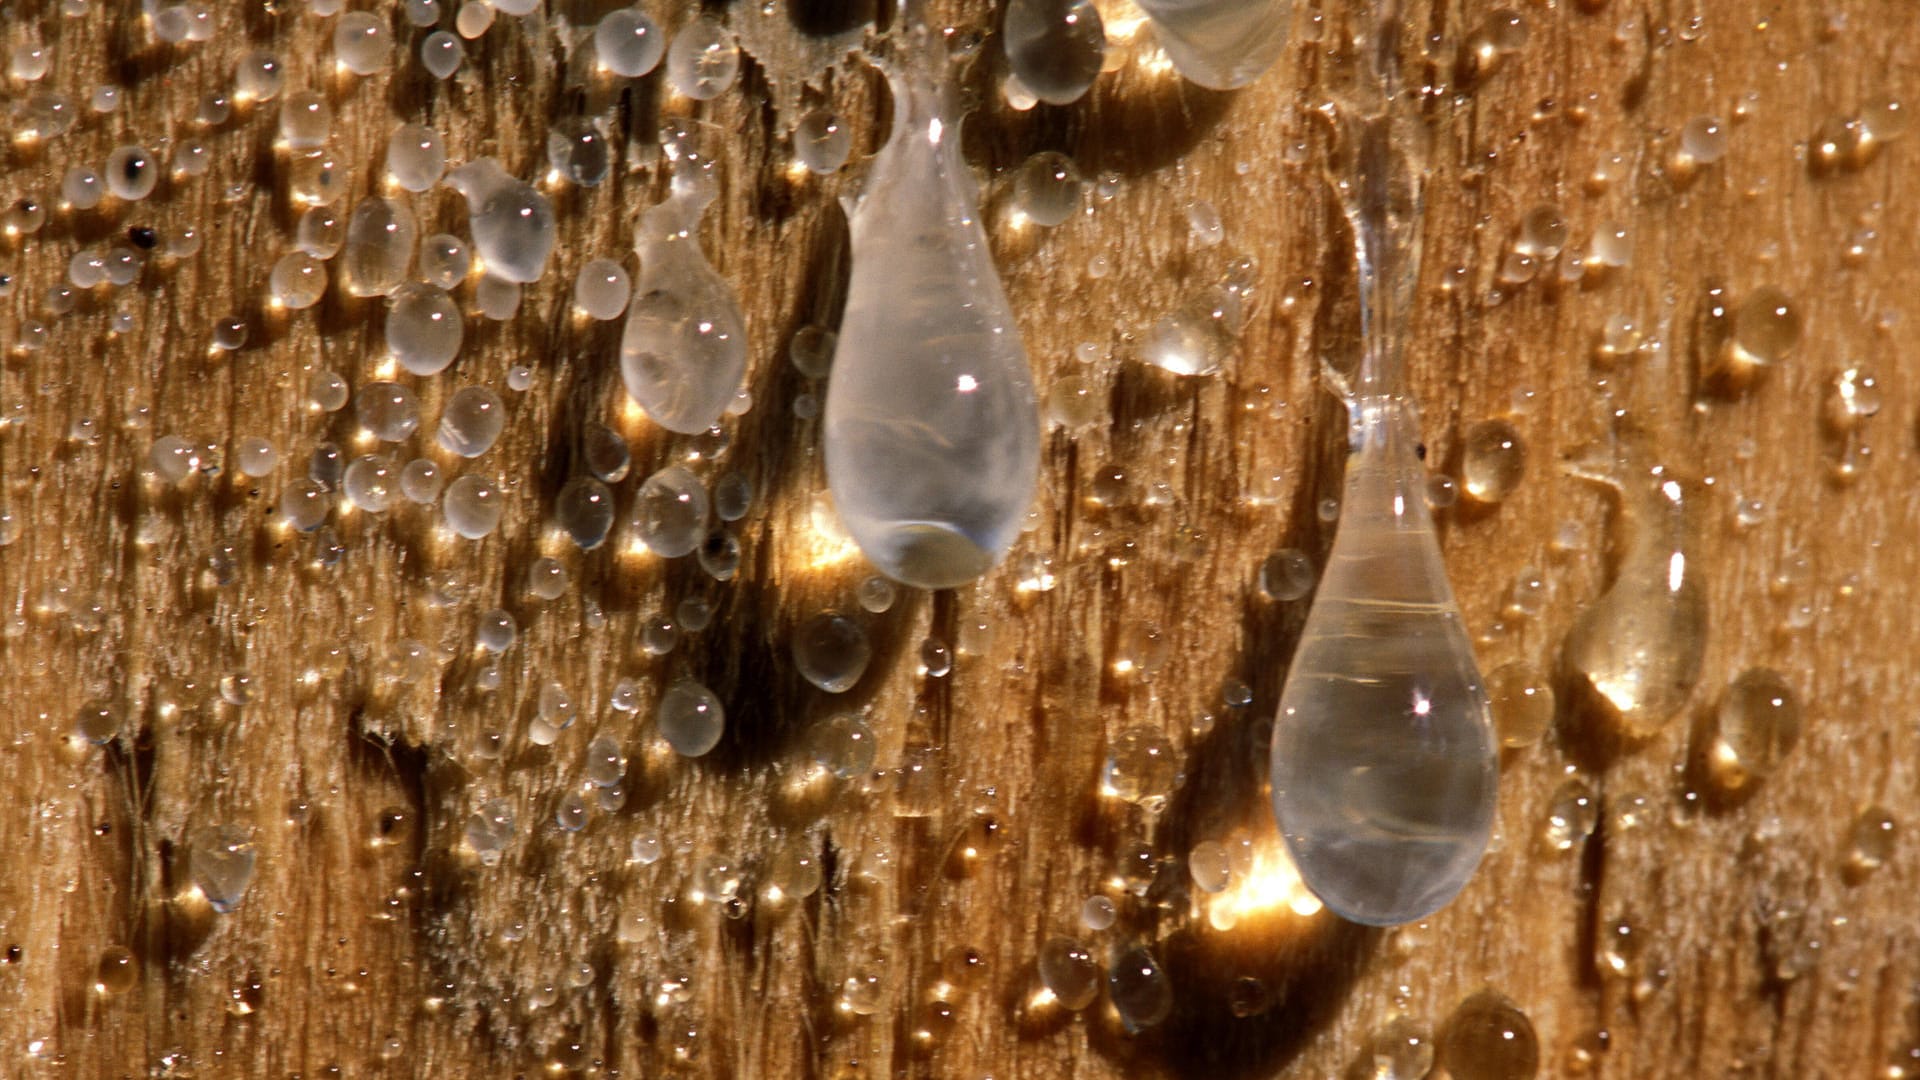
x: 358, y: 951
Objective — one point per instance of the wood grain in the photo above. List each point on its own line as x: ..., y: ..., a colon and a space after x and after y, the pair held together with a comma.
x: 372, y: 943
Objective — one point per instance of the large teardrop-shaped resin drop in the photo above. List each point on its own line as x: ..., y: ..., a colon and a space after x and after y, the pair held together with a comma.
x: 1220, y: 44
x: 1384, y: 770
x: 932, y: 430
x: 684, y: 349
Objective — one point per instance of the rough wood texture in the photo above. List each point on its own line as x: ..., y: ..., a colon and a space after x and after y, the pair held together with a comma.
x: 371, y: 942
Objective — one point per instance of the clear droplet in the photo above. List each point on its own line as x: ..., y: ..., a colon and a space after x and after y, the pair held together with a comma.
x: 584, y: 508
x: 831, y: 651
x: 1572, y: 814
x: 1400, y: 1049
x: 1046, y: 189
x: 1870, y: 841
x: 1522, y: 702
x: 932, y: 450
x: 1383, y: 760
x: 670, y: 512
x: 380, y: 239
x: 1141, y: 768
x: 1220, y: 46
x: 512, y: 222
x: 1489, y: 1038
x: 628, y: 43
x: 703, y: 59
x: 221, y: 860
x: 1635, y: 653
x: 1287, y: 575
x: 822, y: 142
x: 1068, y: 970
x: 683, y: 352
x: 472, y: 507
x: 1055, y: 47
x: 1139, y: 989
x: 1493, y: 461
x: 471, y: 421
x: 843, y: 745
x: 690, y: 718
x: 1766, y: 326
x: 1753, y: 730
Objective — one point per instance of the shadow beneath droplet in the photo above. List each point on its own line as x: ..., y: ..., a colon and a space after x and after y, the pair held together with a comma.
x: 827, y: 18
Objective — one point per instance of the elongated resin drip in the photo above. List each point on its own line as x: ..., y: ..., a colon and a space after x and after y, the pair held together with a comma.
x: 1220, y: 44
x: 1383, y: 768
x: 932, y: 430
x: 683, y: 352
x: 1635, y: 654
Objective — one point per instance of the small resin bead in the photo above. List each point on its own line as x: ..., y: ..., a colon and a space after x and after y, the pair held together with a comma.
x: 320, y: 232
x: 258, y: 77
x: 579, y: 152
x: 444, y: 260
x: 423, y: 12
x: 81, y: 189
x: 371, y: 483
x: 131, y: 173
x: 602, y: 288
x: 298, y: 280
x: 472, y: 507
x: 628, y: 43
x: 305, y: 121
x: 256, y: 457
x: 421, y: 481
x: 423, y: 328
x: 822, y: 142
x: 416, y: 157
x: 512, y: 222
x: 703, y: 60
x: 387, y: 410
x: 471, y: 421
x: 362, y: 43
x: 441, y: 54
x: 304, y: 504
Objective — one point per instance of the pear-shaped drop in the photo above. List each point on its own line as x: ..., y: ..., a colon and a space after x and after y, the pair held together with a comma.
x: 684, y: 349
x: 1220, y: 44
x: 932, y: 428
x: 1384, y: 768
x: 513, y: 224
x: 1634, y: 656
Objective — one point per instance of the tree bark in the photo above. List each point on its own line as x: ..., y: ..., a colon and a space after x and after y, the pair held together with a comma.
x: 324, y: 692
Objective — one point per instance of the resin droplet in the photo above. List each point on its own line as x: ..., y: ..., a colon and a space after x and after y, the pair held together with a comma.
x: 932, y: 428
x: 379, y: 248
x: 670, y: 512
x: 1140, y: 989
x: 1493, y: 460
x: 221, y: 863
x: 1068, y: 970
x: 1384, y: 768
x: 684, y: 350
x: 690, y: 718
x: 1635, y: 654
x: 1400, y: 1050
x: 1055, y: 47
x: 423, y: 328
x: 831, y: 651
x: 1203, y: 333
x: 703, y: 59
x: 513, y: 224
x: 1753, y: 730
x: 627, y: 42
x: 1220, y: 44
x: 1489, y: 1038
x: 1870, y: 842
x: 1522, y: 703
